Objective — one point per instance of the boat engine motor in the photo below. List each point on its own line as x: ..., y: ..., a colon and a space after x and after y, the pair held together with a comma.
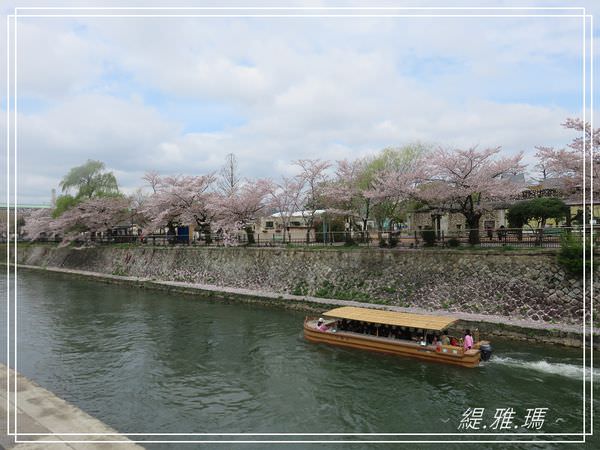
x: 485, y: 352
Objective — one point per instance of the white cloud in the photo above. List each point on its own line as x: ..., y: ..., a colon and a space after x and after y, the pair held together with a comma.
x: 54, y: 61
x: 302, y: 88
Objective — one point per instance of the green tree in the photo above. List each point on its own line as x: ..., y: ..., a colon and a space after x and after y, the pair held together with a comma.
x: 540, y: 209
x: 390, y: 209
x: 90, y: 180
x: 63, y: 203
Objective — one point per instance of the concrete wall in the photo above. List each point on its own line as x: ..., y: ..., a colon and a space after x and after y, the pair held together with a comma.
x: 521, y: 286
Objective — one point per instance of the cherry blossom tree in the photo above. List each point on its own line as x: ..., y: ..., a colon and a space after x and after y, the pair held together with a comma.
x: 393, y: 177
x: 237, y: 208
x: 138, y: 201
x: 313, y: 179
x: 285, y: 198
x: 470, y: 182
x: 347, y: 193
x: 567, y: 163
x: 94, y: 215
x: 38, y: 224
x: 179, y: 200
x: 375, y: 187
x: 152, y: 179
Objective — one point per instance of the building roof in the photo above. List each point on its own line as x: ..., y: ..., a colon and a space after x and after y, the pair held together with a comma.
x: 302, y: 213
x: 25, y: 206
x: 577, y: 200
x: 548, y: 183
x: 426, y: 322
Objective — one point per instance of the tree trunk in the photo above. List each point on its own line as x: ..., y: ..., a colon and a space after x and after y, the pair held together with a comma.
x: 568, y: 221
x: 249, y: 235
x: 473, y: 225
x: 309, y: 225
x: 171, y: 233
x: 540, y: 238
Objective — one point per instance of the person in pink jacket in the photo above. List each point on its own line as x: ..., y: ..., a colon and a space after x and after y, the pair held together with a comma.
x: 468, y: 340
x: 321, y: 325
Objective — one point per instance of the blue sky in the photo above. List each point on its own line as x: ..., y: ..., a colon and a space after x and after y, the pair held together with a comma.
x: 177, y: 94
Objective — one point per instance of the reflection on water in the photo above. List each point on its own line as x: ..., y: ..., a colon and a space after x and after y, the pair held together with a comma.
x: 146, y: 361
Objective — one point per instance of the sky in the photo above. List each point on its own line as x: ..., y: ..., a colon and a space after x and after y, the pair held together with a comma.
x: 177, y: 94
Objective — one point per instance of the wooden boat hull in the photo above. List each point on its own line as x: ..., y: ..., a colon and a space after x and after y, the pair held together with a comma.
x: 451, y: 355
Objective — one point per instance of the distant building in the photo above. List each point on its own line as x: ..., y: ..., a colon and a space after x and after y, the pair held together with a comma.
x: 272, y: 227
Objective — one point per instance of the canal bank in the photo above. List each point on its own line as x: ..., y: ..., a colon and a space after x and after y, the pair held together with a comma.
x: 520, y: 285
x: 39, y: 411
x: 488, y: 325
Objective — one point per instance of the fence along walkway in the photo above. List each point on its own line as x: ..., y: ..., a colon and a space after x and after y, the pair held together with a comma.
x: 501, y: 237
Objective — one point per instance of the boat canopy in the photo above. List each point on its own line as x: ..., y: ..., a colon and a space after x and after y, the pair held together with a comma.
x: 426, y: 322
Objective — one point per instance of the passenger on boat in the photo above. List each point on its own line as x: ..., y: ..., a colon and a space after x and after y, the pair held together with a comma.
x: 321, y: 325
x: 445, y: 338
x: 453, y: 341
x: 435, y: 341
x: 468, y: 340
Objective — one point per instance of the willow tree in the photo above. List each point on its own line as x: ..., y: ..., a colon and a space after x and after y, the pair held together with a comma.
x: 90, y: 180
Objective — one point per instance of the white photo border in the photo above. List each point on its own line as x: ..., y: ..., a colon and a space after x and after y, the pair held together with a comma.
x: 585, y: 17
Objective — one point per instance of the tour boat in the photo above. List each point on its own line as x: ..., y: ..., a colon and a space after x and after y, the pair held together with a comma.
x: 395, y: 333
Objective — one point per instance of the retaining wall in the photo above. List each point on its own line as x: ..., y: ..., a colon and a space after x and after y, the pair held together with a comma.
x: 524, y: 286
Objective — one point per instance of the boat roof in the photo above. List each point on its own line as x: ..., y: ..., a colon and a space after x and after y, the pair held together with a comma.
x: 426, y: 322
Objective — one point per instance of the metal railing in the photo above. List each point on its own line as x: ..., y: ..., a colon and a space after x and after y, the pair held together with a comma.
x: 406, y: 238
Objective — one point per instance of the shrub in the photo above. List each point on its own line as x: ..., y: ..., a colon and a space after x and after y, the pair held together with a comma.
x: 393, y: 241
x: 428, y: 236
x: 570, y: 255
x: 453, y: 242
x: 382, y: 243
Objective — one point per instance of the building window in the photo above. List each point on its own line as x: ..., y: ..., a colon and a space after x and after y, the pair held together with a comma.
x: 269, y: 224
x: 295, y: 224
x: 458, y: 226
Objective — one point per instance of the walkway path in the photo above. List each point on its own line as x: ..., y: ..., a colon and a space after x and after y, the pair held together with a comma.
x: 40, y: 411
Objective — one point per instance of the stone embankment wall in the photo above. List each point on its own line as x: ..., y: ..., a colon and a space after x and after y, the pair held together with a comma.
x: 525, y: 286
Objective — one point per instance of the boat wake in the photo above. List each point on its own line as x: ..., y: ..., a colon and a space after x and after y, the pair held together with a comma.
x: 566, y: 370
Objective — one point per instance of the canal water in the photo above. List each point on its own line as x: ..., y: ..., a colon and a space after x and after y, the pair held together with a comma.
x: 149, y: 361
